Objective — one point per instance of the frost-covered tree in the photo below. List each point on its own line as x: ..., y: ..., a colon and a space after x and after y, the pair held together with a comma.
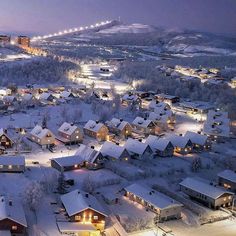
x: 196, y: 164
x: 88, y: 185
x: 61, y: 183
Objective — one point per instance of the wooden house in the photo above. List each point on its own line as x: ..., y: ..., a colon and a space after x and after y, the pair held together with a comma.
x: 167, y: 98
x: 42, y: 136
x: 5, y: 140
x: 160, y: 146
x: 182, y: 145
x: 85, y: 156
x: 227, y: 179
x: 96, y: 130
x: 12, y: 164
x: 206, y: 193
x: 12, y: 216
x: 112, y: 151
x: 138, y: 149
x: 84, y: 208
x: 200, y: 142
x: 163, y: 206
x: 70, y: 134
x: 119, y: 127
x: 144, y: 126
x: 131, y: 100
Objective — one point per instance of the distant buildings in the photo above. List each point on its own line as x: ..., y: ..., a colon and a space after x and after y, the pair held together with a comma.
x: 12, y: 164
x: 23, y: 41
x: 4, y: 39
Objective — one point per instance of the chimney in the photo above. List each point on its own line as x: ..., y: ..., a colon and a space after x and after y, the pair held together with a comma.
x: 97, y: 121
x: 180, y: 134
x: 121, y: 120
x: 86, y: 195
x: 92, y: 147
x: 5, y: 131
x: 140, y: 140
x: 10, y: 202
x: 145, y: 118
x: 78, y: 192
x: 199, y: 132
x: 117, y: 144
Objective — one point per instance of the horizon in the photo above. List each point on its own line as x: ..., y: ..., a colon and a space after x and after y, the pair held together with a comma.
x: 42, y: 17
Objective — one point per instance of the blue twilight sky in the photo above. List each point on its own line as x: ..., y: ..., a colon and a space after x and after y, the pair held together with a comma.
x: 45, y: 16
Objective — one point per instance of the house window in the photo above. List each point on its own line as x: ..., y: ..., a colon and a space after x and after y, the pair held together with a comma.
x: 14, y: 227
x: 229, y: 197
x: 1, y: 166
x: 10, y: 167
x: 77, y: 218
x: 75, y: 166
x: 95, y: 217
x: 77, y: 137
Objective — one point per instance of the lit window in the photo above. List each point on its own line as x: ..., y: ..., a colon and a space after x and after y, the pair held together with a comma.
x: 1, y: 166
x: 77, y: 137
x: 77, y: 218
x: 10, y: 167
x: 224, y: 198
x: 95, y: 217
x: 76, y: 166
x: 229, y: 197
x: 14, y: 227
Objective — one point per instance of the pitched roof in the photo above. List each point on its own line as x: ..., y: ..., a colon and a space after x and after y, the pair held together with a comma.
x: 154, y: 198
x: 196, y: 138
x: 93, y: 125
x: 87, y: 153
x: 139, y: 121
x: 178, y: 141
x: 157, y: 143
x: 135, y: 146
x: 67, y: 128
x: 40, y: 132
x: 77, y: 201
x: 112, y: 150
x: 117, y: 123
x: 154, y: 104
x: 202, y: 187
x: 228, y: 174
x: 13, y: 212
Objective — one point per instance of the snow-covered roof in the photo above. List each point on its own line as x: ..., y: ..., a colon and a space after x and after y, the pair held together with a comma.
x: 217, y: 124
x: 196, y: 138
x: 40, y: 132
x: 2, y: 132
x: 12, y: 160
x: 67, y: 128
x: 178, y: 141
x: 44, y: 96
x: 154, y: 104
x: 161, y: 117
x: 75, y: 227
x: 135, y: 146
x: 93, y: 125
x: 87, y: 153
x: 157, y: 143
x: 112, y: 150
x: 139, y: 121
x: 203, y: 187
x: 199, y: 105
x: 65, y: 94
x: 117, y: 123
x: 27, y: 97
x: 130, y: 97
x: 166, y: 96
x: 9, y: 98
x: 157, y: 199
x: 77, y: 201
x: 12, y: 211
x: 228, y: 174
x: 68, y: 161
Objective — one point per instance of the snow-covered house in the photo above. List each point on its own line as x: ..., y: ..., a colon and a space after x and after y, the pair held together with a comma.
x: 131, y: 99
x: 165, y: 207
x: 67, y: 95
x: 42, y: 136
x: 169, y: 99
x: 12, y: 164
x: 144, y: 126
x: 96, y: 130
x: 12, y: 216
x: 200, y: 142
x: 70, y: 133
x: 112, y: 151
x: 206, y: 193
x: 119, y: 127
x: 138, y: 149
x: 9, y: 100
x: 5, y: 140
x: 227, y: 179
x: 217, y: 125
x: 155, y: 104
x: 160, y: 146
x: 46, y: 97
x: 182, y: 145
x: 84, y: 208
x: 84, y: 157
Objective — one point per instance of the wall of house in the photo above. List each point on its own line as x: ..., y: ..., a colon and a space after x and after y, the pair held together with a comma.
x: 89, y: 216
x: 227, y: 184
x: 5, y: 141
x: 12, y: 168
x: 224, y: 201
x: 75, y: 137
x: 168, y: 152
x: 170, y: 213
x: 7, y: 224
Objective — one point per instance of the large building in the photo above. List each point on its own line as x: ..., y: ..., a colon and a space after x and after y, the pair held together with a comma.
x: 23, y: 41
